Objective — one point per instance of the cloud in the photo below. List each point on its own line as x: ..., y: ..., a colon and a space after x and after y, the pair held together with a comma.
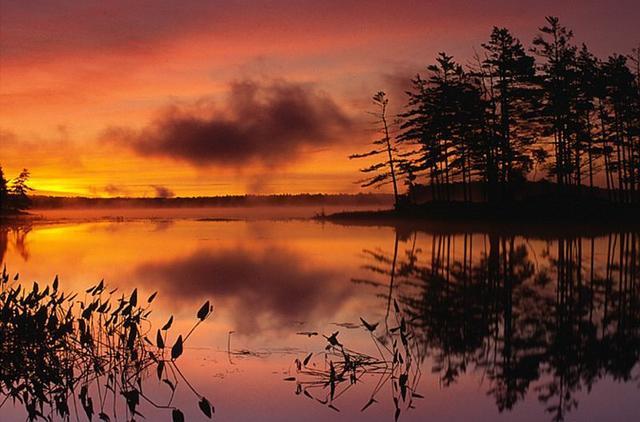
x: 115, y: 190
x: 398, y: 81
x: 163, y: 191
x: 43, y: 27
x: 268, y: 124
x: 269, y: 288
x: 32, y: 150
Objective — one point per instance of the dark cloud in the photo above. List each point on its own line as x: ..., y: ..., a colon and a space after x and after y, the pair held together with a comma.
x: 163, y: 191
x: 266, y: 289
x: 269, y: 124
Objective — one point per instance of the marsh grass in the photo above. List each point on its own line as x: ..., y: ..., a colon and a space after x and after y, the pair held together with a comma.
x: 64, y: 355
x: 327, y: 376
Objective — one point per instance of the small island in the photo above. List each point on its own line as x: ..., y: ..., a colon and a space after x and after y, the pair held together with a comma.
x: 548, y: 132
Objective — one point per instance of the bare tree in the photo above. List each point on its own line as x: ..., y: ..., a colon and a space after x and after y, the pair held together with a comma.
x: 383, y: 172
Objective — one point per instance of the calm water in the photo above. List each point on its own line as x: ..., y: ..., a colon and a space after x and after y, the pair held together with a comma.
x: 497, y: 326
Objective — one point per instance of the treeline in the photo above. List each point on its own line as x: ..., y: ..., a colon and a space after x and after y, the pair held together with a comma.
x: 305, y: 199
x: 513, y: 114
x: 13, y: 192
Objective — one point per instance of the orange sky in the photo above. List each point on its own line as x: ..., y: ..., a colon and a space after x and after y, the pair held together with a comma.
x: 73, y: 73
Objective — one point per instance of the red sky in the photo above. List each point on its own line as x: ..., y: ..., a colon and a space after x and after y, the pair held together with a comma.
x: 94, y: 94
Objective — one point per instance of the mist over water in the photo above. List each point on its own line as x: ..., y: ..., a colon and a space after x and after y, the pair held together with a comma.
x: 258, y: 212
x: 499, y: 326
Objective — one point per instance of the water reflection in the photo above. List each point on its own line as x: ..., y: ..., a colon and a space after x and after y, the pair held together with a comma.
x: 511, y: 323
x: 272, y: 287
x: 550, y: 323
x: 17, y: 234
x: 395, y: 363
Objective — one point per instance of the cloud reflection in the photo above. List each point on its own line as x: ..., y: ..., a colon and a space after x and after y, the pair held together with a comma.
x: 267, y: 289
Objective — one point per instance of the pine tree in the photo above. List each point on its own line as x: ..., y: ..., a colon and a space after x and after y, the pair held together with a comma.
x: 504, y: 117
x: 622, y: 97
x: 384, y: 172
x: 20, y: 189
x: 508, y: 75
x: 585, y: 108
x: 554, y: 46
x: 634, y: 127
x: 3, y: 191
x: 445, y: 121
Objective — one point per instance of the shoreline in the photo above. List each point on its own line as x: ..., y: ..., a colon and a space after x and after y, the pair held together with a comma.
x: 574, y: 217
x: 570, y: 218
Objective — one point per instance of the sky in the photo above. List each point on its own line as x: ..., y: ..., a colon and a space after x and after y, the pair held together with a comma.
x: 195, y: 98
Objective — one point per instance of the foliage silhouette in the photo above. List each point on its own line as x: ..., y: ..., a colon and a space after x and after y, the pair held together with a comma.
x: 386, y: 171
x: 14, y: 192
x: 4, y: 191
x: 57, y: 348
x: 341, y: 368
x: 496, y: 121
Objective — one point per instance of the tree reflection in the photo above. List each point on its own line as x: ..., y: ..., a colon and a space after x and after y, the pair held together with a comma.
x: 550, y: 320
x: 16, y: 234
x: 396, y: 362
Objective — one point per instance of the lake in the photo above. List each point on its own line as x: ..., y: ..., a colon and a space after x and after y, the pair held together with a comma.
x: 472, y: 323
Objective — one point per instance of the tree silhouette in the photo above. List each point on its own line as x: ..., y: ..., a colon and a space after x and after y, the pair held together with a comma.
x: 553, y: 45
x: 20, y: 189
x: 587, y: 84
x: 3, y: 191
x: 445, y: 121
x: 508, y: 75
x: 385, y: 171
x: 492, y: 123
x: 622, y: 94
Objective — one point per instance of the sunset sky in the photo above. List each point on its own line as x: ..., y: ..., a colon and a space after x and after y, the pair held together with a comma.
x: 148, y: 98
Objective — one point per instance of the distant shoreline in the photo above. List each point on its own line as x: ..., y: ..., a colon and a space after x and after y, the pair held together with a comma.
x: 41, y: 202
x: 578, y: 216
